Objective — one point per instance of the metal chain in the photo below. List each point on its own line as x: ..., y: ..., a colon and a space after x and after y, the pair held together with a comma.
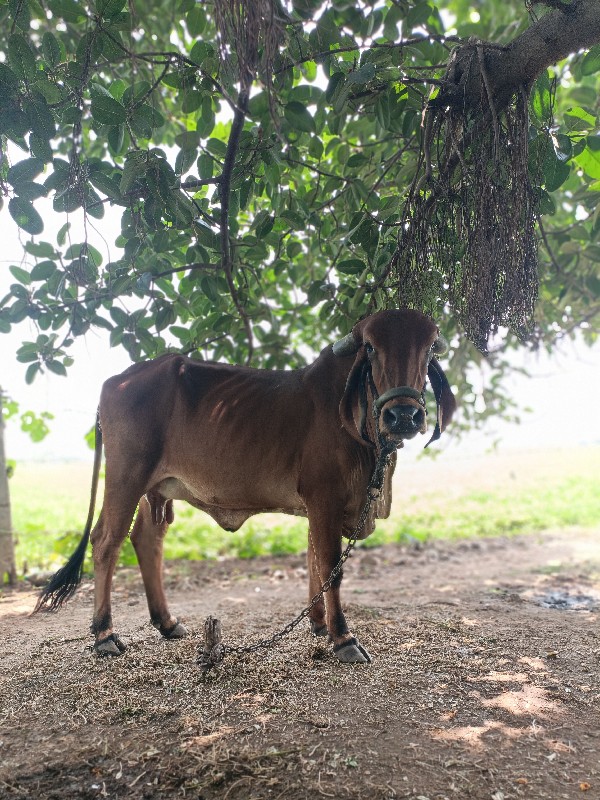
x: 373, y: 491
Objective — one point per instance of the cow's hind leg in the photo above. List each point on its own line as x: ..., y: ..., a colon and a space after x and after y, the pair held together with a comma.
x: 326, y: 542
x: 154, y: 515
x: 107, y: 538
x: 124, y: 486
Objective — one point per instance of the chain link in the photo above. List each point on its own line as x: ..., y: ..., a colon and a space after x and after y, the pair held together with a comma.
x: 373, y: 492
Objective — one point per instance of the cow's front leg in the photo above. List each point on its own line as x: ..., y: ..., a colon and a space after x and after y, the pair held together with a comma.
x: 326, y: 543
x: 154, y: 516
x: 318, y: 624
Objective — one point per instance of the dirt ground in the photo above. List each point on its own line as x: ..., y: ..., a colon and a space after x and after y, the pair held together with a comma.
x: 484, y: 683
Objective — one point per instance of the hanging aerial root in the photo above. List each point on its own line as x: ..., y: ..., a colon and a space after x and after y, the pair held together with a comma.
x: 467, y: 237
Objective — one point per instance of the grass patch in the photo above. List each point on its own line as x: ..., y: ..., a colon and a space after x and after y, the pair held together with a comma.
x: 50, y: 503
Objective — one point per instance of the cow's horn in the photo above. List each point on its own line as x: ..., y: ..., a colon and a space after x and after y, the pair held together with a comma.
x: 346, y: 346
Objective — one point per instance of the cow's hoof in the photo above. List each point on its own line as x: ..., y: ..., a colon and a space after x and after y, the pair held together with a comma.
x: 352, y: 652
x: 318, y: 630
x: 109, y: 647
x: 176, y: 631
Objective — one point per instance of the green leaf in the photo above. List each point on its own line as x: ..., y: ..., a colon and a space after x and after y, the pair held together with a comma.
x: 207, y: 237
x: 315, y: 148
x: 19, y: 11
x: 591, y: 61
x: 8, y: 79
x: 265, y: 227
x: 32, y: 371
x: 144, y: 119
x: 106, y: 110
x: 41, y: 120
x: 417, y: 16
x: 25, y: 215
x: 589, y: 159
x: 43, y: 271
x: 31, y: 190
x: 192, y: 100
x: 165, y: 316
x: 61, y: 236
x: 69, y: 10
x: 296, y: 220
x: 258, y: 105
x: 52, y: 50
x: 362, y: 75
x: 555, y: 171
x: 541, y: 98
x: 216, y: 147
x: 546, y: 203
x: 68, y: 200
x: 299, y: 117
x: 351, y: 266
x: 119, y: 316
x: 205, y: 166
x: 51, y: 92
x: 24, y: 171
x: 109, y: 8
x: 107, y: 185
x: 188, y: 140
x: 57, y: 367
x: 133, y: 170
x: 21, y: 58
x: 21, y: 275
x: 195, y: 20
x: 357, y: 160
x: 41, y: 249
x: 40, y: 148
x: 201, y: 51
x: 116, y: 140
x: 578, y: 119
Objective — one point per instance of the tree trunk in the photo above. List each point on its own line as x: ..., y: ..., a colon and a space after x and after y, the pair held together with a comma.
x: 7, y: 550
x: 568, y: 28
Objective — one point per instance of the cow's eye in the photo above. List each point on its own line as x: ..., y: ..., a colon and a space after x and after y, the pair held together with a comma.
x: 369, y: 348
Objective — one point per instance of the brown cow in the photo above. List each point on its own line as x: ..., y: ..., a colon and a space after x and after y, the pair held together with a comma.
x: 235, y: 441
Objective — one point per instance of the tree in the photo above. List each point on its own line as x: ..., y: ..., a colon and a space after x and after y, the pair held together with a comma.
x: 36, y: 427
x: 284, y: 167
x: 7, y: 551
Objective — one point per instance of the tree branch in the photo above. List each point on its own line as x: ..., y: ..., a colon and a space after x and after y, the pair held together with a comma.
x: 553, y: 37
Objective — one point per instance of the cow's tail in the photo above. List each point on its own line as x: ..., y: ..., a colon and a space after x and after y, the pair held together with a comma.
x: 63, y: 584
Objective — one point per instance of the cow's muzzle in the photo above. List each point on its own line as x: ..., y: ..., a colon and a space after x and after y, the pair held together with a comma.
x: 402, y: 420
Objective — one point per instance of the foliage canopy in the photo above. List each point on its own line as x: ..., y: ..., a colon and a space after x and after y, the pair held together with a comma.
x: 261, y: 201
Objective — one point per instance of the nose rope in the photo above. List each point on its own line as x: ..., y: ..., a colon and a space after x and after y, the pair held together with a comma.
x: 380, y: 400
x: 399, y: 391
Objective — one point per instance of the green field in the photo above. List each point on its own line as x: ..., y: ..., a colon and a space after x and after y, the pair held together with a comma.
x: 450, y: 497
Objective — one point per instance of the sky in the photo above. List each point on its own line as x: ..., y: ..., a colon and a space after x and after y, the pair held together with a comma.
x: 560, y: 390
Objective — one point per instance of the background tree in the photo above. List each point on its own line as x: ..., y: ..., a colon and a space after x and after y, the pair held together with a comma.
x: 7, y: 551
x: 36, y: 427
x: 283, y: 168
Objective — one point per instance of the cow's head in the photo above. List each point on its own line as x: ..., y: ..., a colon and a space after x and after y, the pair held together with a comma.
x: 394, y: 353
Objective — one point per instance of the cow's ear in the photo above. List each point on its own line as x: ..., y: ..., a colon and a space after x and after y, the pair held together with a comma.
x: 444, y: 399
x: 353, y: 405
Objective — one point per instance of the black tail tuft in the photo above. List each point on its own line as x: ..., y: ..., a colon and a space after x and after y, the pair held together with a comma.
x: 63, y: 584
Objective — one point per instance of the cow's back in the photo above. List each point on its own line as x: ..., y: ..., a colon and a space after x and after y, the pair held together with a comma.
x: 213, y: 434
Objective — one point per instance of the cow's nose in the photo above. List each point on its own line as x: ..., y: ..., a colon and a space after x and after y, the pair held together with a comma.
x: 403, y: 419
